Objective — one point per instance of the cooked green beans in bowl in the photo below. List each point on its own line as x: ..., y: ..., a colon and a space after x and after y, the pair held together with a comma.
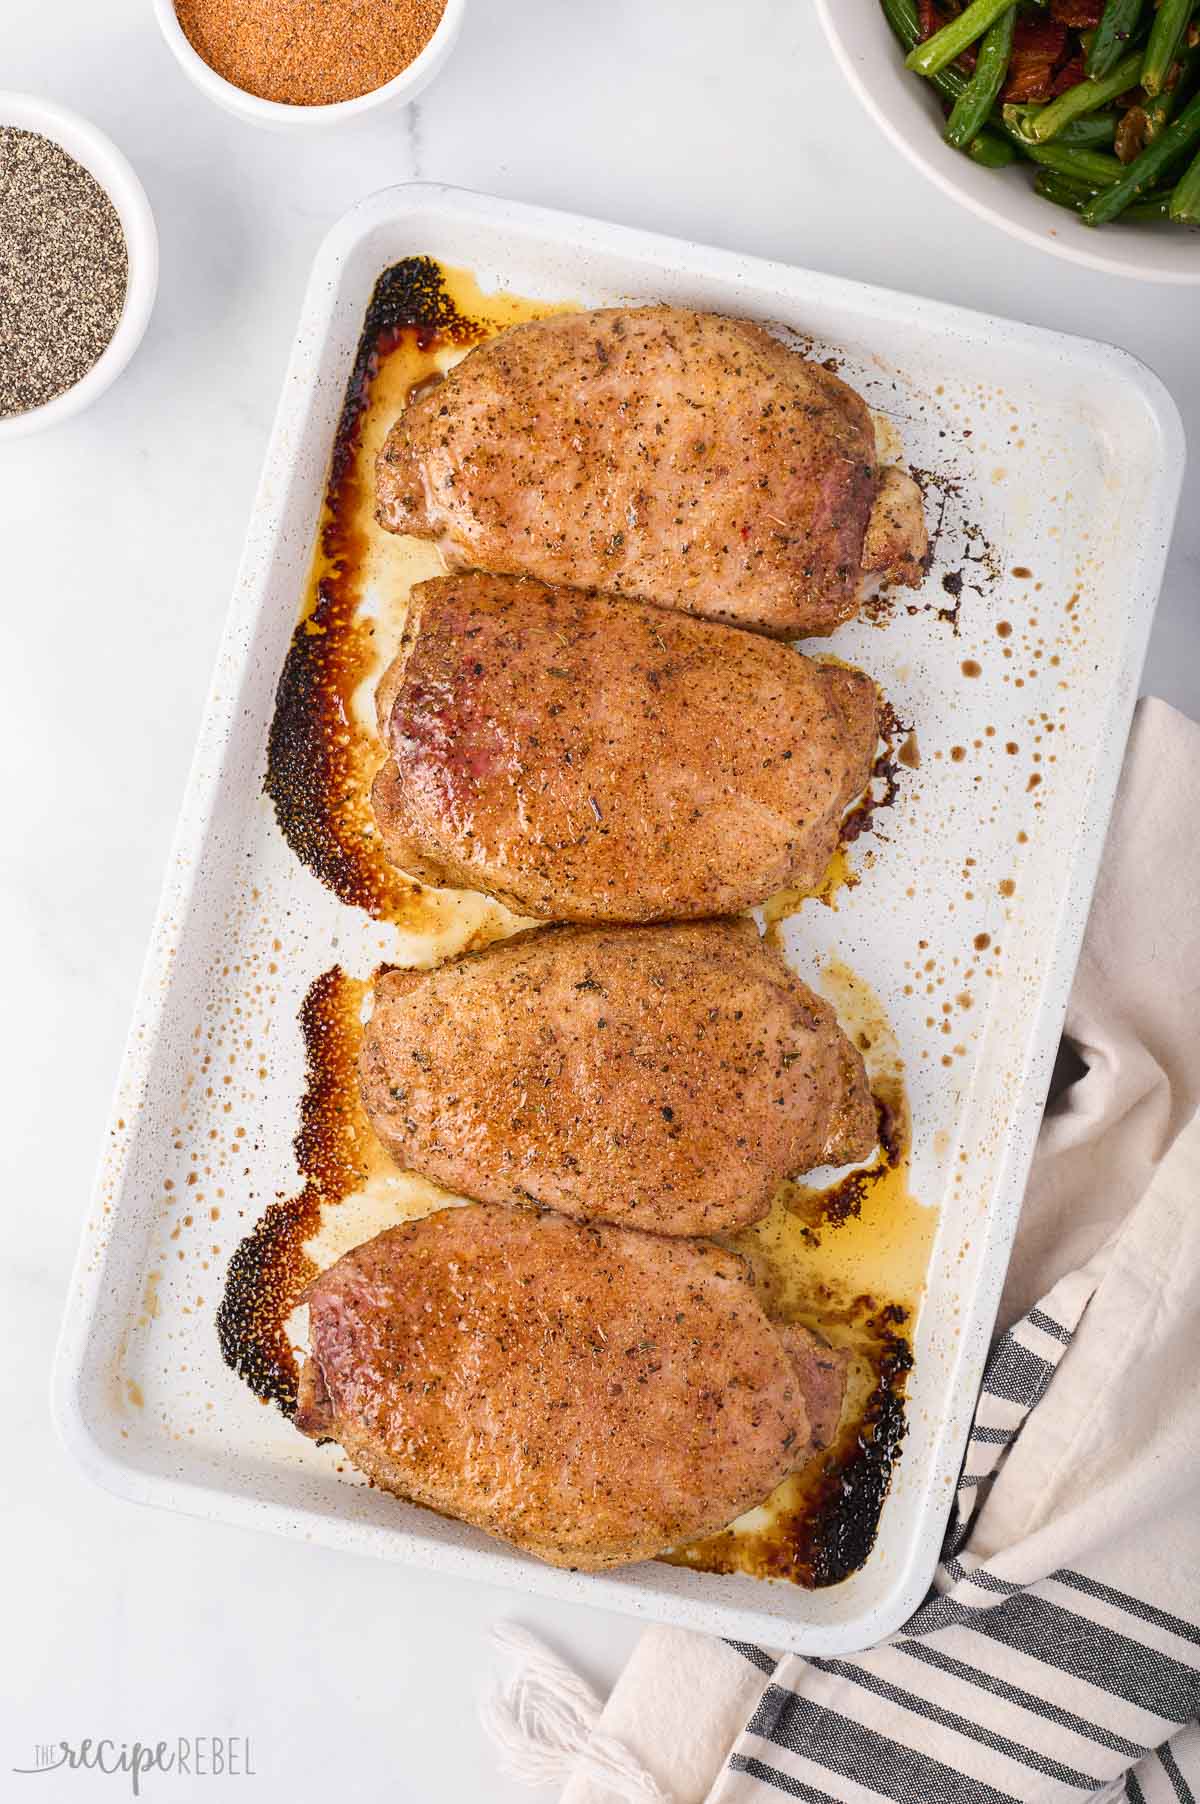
x: 1100, y: 97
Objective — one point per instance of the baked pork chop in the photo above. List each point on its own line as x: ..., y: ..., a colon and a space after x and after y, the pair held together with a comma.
x: 583, y: 758
x: 592, y: 1395
x: 665, y: 1077
x: 675, y: 457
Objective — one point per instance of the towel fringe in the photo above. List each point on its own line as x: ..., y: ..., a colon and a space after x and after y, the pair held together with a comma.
x: 543, y: 1717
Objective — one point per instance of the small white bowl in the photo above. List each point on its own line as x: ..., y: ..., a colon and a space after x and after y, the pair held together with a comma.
x: 906, y: 108
x: 276, y: 116
x: 101, y: 158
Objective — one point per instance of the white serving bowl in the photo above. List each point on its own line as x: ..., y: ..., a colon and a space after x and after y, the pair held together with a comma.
x: 907, y: 109
x: 101, y: 158
x: 276, y: 116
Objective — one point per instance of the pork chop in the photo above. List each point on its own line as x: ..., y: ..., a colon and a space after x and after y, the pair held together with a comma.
x: 674, y: 457
x: 665, y: 1077
x: 584, y: 758
x: 592, y: 1395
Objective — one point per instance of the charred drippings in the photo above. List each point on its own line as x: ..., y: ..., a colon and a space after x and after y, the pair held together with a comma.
x: 335, y: 1146
x: 319, y: 768
x: 270, y: 1268
x: 824, y: 1526
x: 884, y: 786
x: 313, y: 774
x: 958, y: 542
x: 843, y: 1516
x: 411, y: 298
x: 266, y: 1278
x: 838, y: 1202
x: 952, y: 585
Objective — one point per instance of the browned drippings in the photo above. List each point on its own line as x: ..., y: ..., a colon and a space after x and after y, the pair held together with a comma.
x: 321, y: 757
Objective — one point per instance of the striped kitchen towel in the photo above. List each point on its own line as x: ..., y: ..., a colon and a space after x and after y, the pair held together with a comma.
x: 1058, y: 1652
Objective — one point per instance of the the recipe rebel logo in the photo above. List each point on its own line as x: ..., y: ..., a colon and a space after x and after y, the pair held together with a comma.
x: 187, y: 1756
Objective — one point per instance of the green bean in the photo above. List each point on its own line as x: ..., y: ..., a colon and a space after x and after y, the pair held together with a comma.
x: 1118, y: 22
x: 1185, y: 197
x: 1141, y: 175
x: 1159, y: 111
x: 1092, y: 130
x: 1062, y: 191
x: 901, y: 15
x: 1166, y: 35
x: 1091, y: 166
x: 1085, y: 134
x: 991, y: 150
x: 957, y: 36
x: 1085, y: 97
x: 974, y: 107
x: 1075, y: 195
x: 1155, y: 206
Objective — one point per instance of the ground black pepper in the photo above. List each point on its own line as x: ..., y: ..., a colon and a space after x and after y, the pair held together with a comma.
x: 63, y: 270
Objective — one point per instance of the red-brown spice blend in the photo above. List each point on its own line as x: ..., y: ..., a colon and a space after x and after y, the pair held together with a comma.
x: 309, y: 52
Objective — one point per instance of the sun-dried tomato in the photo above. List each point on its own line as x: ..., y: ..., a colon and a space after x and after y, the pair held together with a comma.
x: 1068, y: 76
x: 1037, y: 49
x: 1042, y: 35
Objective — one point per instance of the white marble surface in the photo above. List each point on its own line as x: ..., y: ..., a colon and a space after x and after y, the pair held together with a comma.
x: 121, y: 532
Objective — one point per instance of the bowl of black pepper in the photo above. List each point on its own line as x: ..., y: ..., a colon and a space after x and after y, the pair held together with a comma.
x: 78, y: 263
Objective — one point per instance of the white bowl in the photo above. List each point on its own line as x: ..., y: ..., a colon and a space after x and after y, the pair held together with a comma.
x: 905, y: 106
x: 101, y: 158
x: 273, y: 114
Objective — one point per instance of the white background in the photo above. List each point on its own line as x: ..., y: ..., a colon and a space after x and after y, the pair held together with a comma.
x: 725, y: 122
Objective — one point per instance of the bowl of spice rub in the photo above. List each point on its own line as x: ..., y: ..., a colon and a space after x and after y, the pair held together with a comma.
x: 78, y: 263
x: 294, y: 64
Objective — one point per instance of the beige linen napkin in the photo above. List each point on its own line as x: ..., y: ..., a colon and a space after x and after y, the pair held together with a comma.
x: 1097, y: 1471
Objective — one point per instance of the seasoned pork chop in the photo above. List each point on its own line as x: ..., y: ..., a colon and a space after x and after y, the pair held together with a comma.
x: 591, y: 1394
x: 895, y: 546
x: 664, y: 1077
x: 583, y: 758
x: 675, y: 457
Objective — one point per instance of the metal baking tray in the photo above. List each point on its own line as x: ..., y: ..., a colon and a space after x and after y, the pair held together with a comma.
x: 1053, y: 468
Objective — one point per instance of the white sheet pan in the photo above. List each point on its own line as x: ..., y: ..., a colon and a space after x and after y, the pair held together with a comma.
x: 1057, y: 465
